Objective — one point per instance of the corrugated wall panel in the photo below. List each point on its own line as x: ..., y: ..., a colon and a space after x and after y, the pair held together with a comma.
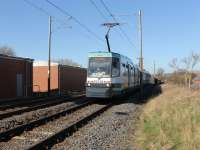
x: 8, y: 77
x: 72, y: 78
x: 40, y: 78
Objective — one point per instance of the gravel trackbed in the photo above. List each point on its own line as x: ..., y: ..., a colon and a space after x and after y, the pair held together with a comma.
x: 112, y: 130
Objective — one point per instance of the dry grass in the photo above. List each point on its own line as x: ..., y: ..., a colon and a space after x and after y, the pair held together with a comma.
x: 170, y: 121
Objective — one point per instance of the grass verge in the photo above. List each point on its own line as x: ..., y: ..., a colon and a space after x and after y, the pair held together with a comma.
x: 170, y: 121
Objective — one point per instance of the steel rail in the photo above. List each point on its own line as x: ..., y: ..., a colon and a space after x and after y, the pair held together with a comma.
x: 8, y: 134
x: 11, y: 100
x: 19, y: 99
x: 68, y: 131
x: 51, y: 103
x: 28, y: 102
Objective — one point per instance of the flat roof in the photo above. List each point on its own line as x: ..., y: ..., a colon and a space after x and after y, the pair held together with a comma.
x: 15, y: 58
x: 43, y: 63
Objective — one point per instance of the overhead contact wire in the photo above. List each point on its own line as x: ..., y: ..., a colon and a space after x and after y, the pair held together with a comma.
x: 75, y: 19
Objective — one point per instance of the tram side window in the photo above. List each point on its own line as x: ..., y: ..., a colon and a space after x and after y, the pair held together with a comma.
x: 115, y: 67
x: 131, y: 75
x: 123, y: 69
x: 136, y: 75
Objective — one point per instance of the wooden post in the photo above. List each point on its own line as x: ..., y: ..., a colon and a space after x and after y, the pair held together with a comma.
x: 49, y: 58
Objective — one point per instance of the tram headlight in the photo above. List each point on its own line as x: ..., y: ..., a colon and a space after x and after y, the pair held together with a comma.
x: 108, y: 84
x: 88, y: 84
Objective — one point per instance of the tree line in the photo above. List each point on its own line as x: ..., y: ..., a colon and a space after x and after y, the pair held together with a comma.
x: 9, y: 51
x: 183, y: 70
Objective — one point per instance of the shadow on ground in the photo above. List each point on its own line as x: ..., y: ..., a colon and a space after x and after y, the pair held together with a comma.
x: 135, y: 97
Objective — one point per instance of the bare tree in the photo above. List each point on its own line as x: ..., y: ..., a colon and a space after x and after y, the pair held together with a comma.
x: 67, y: 62
x: 190, y: 62
x: 5, y: 50
x: 186, y: 61
x: 175, y: 76
x: 160, y: 73
x: 174, y: 64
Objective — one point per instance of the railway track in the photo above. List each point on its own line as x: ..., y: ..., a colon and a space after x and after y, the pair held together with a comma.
x: 27, y: 102
x: 47, y: 131
x: 21, y: 99
x: 8, y: 113
x: 10, y: 101
x: 8, y: 134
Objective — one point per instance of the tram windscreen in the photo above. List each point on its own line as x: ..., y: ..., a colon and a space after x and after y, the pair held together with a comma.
x: 100, y: 67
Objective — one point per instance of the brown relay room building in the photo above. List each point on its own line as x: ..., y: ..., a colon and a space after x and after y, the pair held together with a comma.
x: 63, y: 78
x: 15, y: 76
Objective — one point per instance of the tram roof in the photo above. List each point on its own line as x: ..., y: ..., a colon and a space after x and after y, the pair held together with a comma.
x: 110, y: 54
x: 103, y: 54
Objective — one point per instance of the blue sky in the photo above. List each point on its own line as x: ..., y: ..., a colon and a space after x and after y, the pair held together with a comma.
x: 171, y: 29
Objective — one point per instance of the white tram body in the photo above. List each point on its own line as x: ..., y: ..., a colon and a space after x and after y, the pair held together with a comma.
x: 111, y: 74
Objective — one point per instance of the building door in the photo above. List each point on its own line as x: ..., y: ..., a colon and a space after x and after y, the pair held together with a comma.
x: 19, y: 84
